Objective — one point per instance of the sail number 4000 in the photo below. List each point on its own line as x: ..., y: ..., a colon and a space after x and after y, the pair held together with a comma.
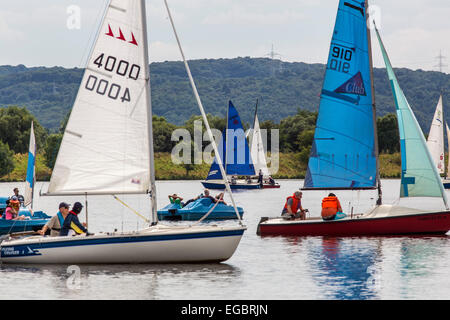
x: 123, y: 67
x: 340, y: 59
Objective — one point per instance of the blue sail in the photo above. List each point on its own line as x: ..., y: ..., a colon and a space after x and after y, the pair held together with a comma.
x: 343, y: 153
x: 237, y: 153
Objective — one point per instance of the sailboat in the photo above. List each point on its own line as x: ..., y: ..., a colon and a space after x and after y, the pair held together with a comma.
x: 107, y: 149
x: 35, y: 220
x: 344, y: 154
x: 446, y: 180
x: 235, y: 154
x: 435, y: 142
x: 258, y: 155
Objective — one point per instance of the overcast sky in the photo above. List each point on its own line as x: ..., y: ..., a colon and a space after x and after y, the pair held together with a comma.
x: 35, y: 33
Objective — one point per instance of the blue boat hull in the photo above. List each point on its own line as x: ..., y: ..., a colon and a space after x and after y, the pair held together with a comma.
x: 197, y: 209
x: 34, y: 223
x: 221, y: 186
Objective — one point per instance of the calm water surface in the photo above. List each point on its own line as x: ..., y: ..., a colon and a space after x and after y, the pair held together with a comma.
x: 261, y: 268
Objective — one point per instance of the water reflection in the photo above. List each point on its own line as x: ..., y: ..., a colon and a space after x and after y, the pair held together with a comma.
x: 345, y: 268
x: 118, y: 281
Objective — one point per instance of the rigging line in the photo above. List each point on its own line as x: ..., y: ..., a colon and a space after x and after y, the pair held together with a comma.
x: 134, y: 211
x: 205, y: 119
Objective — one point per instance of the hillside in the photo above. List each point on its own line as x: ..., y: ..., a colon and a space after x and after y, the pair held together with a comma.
x: 281, y: 87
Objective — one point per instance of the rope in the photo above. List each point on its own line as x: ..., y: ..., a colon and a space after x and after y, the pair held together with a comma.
x: 207, y: 214
x: 134, y: 211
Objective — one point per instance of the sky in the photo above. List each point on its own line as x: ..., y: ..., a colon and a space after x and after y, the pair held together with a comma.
x: 44, y: 32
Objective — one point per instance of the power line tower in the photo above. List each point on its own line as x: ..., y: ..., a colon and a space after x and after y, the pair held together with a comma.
x: 275, y: 64
x: 441, y: 65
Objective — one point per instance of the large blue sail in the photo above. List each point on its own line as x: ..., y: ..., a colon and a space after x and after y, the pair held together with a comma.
x: 237, y: 153
x: 344, y: 152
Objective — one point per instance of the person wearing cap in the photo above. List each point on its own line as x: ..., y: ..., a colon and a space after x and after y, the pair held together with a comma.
x: 18, y: 196
x: 71, y: 223
x: 55, y: 223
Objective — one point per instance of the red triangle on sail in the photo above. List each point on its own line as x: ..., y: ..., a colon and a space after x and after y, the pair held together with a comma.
x: 134, y: 40
x: 110, y: 33
x: 121, y: 37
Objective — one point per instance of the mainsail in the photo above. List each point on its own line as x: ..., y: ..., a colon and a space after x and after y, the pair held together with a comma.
x: 257, y: 150
x: 435, y: 141
x: 344, y: 152
x: 105, y: 148
x: 448, y: 144
x: 420, y: 177
x: 31, y: 172
x: 234, y: 149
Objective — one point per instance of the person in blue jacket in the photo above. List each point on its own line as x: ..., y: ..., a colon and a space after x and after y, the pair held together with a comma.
x: 71, y: 223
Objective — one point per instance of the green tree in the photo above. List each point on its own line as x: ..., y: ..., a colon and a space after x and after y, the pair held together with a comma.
x: 51, y: 149
x: 388, y: 136
x: 6, y: 159
x: 15, y: 126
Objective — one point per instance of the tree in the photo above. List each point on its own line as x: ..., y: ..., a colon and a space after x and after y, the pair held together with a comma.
x: 51, y: 149
x: 388, y: 136
x: 6, y: 159
x: 15, y: 126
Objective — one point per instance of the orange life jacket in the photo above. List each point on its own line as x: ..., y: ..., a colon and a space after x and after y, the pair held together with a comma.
x: 295, y: 203
x: 330, y: 206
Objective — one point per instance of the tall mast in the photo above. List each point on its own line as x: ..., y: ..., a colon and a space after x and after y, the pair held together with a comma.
x: 205, y: 118
x: 374, y: 109
x: 149, y: 117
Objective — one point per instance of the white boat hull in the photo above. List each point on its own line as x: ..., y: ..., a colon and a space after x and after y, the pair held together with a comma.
x: 157, y: 244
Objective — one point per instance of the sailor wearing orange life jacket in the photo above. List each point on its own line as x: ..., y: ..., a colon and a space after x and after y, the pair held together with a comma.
x: 293, y: 207
x: 330, y: 207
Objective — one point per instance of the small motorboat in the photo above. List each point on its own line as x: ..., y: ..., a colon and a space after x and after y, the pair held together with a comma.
x: 197, y: 209
x: 33, y: 222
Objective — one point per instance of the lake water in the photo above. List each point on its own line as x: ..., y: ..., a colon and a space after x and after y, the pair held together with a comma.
x: 276, y: 268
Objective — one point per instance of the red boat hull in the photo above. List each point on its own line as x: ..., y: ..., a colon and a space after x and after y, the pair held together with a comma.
x: 425, y: 223
x: 270, y: 186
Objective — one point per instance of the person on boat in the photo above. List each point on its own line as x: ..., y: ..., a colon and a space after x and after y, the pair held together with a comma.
x: 271, y: 181
x: 219, y: 198
x: 293, y: 208
x: 12, y: 209
x: 55, y: 223
x: 260, y: 177
x: 175, y: 199
x: 331, y: 208
x: 233, y: 180
x: 72, y: 225
x: 19, y: 196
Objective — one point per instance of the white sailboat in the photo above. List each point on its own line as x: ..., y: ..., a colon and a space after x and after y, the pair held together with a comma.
x: 446, y: 180
x: 435, y: 141
x: 436, y: 144
x: 107, y: 149
x: 257, y: 152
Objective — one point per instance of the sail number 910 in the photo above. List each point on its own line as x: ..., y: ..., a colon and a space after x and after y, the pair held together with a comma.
x: 340, y: 59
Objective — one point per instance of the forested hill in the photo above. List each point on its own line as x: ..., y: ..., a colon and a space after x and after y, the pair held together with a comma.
x: 281, y: 87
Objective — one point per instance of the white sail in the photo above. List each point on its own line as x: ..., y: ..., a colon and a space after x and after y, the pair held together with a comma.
x: 105, y: 148
x: 257, y: 150
x: 435, y: 141
x: 448, y: 144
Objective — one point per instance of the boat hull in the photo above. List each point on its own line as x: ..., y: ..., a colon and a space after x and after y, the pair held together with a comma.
x: 153, y: 245
x: 446, y: 184
x: 237, y: 186
x: 425, y: 223
x: 271, y: 186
